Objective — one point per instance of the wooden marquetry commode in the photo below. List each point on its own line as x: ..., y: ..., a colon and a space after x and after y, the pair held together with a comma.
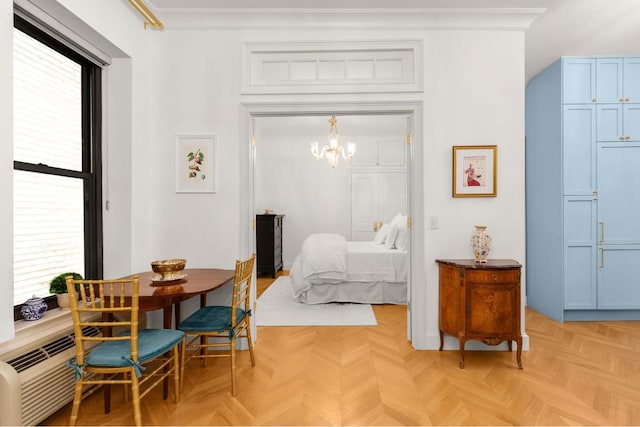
x: 480, y: 302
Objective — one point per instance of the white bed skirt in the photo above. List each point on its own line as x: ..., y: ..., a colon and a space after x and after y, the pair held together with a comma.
x: 359, y: 292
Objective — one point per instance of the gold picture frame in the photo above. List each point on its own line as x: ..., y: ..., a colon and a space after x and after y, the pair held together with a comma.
x: 475, y: 170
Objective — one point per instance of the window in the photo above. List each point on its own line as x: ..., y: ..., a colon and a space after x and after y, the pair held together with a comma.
x: 57, y: 217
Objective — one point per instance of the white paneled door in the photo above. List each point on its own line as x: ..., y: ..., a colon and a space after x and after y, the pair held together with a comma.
x: 376, y: 197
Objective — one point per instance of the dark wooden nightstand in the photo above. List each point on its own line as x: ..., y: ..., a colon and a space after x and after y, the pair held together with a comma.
x: 269, y: 243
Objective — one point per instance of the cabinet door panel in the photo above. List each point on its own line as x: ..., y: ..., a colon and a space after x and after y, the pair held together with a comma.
x: 609, y: 80
x: 631, y: 118
x: 392, y: 195
x: 618, y: 193
x: 490, y: 309
x: 364, y: 203
x: 366, y: 154
x: 579, y: 254
x: 578, y: 80
x: 387, y: 153
x: 609, y: 127
x: 632, y: 79
x: 391, y: 153
x: 578, y: 139
x: 449, y: 300
x: 618, y: 277
x: 375, y: 197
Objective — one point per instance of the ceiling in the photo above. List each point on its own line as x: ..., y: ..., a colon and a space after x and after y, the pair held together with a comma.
x: 567, y: 27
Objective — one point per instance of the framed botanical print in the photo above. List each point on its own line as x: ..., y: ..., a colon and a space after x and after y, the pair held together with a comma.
x: 195, y: 164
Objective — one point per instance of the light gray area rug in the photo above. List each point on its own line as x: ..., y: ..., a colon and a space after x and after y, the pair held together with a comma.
x: 276, y: 307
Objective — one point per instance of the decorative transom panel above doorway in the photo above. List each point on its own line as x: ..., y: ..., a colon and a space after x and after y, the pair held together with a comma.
x: 327, y: 67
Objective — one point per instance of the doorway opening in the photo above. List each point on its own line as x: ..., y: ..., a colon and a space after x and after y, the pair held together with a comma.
x: 279, y: 134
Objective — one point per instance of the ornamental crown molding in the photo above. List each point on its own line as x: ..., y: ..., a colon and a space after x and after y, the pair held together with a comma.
x: 503, y: 19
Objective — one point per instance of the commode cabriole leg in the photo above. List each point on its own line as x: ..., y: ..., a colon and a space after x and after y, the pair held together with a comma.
x: 462, y: 341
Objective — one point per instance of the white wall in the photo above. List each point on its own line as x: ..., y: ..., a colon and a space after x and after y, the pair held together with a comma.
x: 6, y: 171
x: 187, y: 81
x: 474, y: 94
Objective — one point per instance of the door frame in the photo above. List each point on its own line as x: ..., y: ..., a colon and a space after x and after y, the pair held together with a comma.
x: 416, y: 289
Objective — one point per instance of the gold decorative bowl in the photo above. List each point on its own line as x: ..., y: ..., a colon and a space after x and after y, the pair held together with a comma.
x: 168, y: 269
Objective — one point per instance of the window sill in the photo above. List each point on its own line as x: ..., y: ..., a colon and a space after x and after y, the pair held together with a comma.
x: 49, y: 319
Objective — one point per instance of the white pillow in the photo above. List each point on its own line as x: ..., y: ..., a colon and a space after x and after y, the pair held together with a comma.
x: 390, y: 242
x: 381, y: 235
x: 402, y: 241
x: 398, y: 219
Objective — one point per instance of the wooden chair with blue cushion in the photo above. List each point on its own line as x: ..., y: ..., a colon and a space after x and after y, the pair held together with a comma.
x: 123, y: 353
x: 223, y: 324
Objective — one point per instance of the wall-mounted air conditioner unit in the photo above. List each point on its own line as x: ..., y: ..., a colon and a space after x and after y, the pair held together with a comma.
x: 33, y: 374
x: 41, y: 380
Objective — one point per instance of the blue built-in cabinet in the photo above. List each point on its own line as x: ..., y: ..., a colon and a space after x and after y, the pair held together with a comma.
x: 583, y: 189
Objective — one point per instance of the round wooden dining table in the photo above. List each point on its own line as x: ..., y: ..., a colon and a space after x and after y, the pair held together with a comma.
x: 155, y: 295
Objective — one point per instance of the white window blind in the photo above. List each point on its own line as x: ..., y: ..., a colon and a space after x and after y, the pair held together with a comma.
x: 48, y: 209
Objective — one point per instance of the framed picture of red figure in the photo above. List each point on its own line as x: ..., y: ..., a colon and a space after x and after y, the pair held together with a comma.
x: 475, y: 170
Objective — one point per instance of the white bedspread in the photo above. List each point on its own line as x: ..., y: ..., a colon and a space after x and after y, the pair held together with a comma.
x: 367, y: 261
x: 324, y: 258
x: 330, y: 259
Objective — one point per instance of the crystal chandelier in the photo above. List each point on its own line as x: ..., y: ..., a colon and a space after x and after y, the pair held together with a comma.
x: 334, y: 150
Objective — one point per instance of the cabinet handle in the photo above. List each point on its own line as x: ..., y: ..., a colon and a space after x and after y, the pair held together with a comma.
x: 601, y: 258
x: 594, y: 100
x: 601, y: 231
x: 627, y: 137
x: 595, y: 195
x: 622, y: 138
x: 627, y: 100
x: 621, y: 99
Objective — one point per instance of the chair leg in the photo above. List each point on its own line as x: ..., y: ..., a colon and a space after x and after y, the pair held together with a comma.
x: 250, y: 343
x: 77, y: 398
x: 233, y: 365
x: 125, y: 387
x: 135, y: 397
x: 176, y: 373
x: 182, y: 361
x: 204, y: 341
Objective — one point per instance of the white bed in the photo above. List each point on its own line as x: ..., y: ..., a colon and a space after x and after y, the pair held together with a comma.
x: 331, y: 269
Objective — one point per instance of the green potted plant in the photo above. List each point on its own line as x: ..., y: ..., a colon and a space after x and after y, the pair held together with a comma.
x: 58, y: 286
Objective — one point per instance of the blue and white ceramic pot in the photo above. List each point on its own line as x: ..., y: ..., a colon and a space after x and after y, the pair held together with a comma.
x: 33, y: 308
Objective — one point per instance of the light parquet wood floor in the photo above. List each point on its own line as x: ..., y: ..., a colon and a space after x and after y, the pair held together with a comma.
x: 581, y: 373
